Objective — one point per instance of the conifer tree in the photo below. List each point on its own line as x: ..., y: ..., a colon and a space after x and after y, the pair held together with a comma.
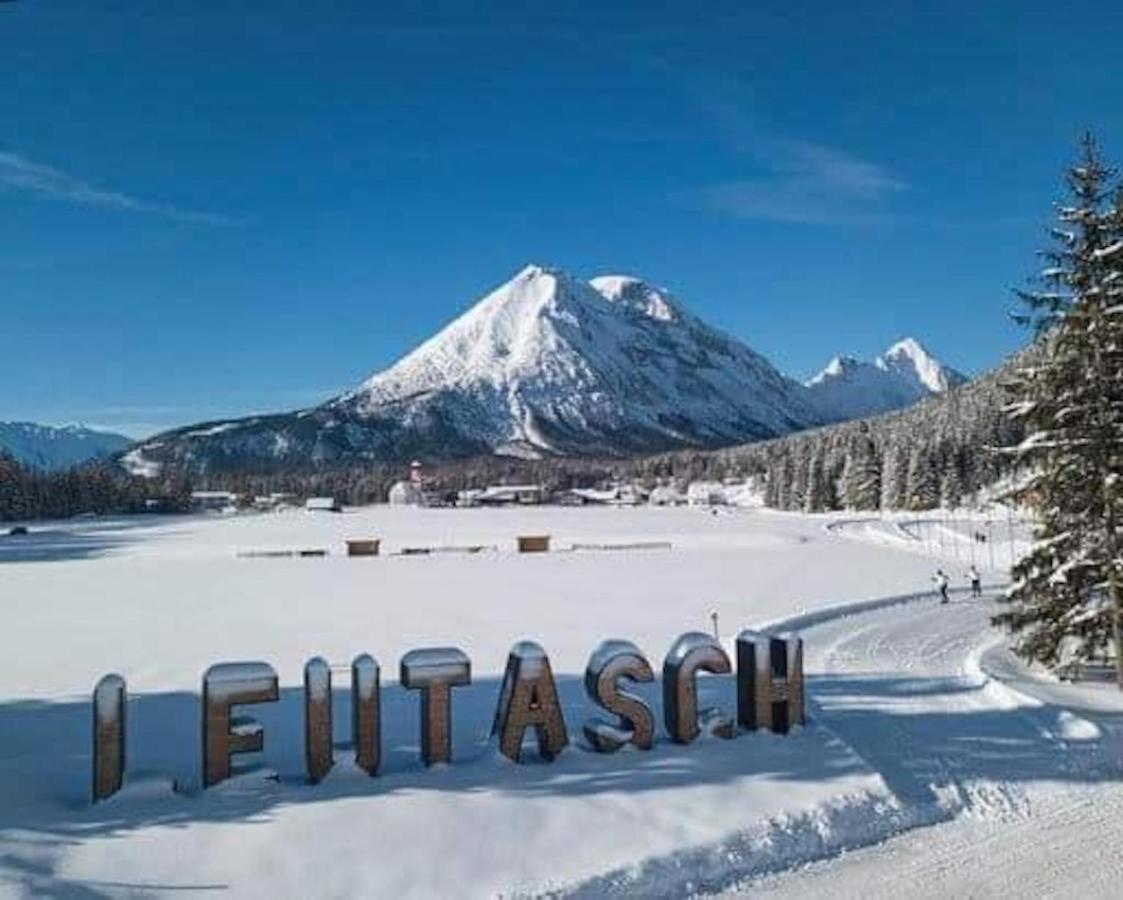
x: 1067, y: 589
x: 815, y: 498
x: 800, y: 472
x: 772, y: 484
x: 784, y: 486
x: 951, y: 482
x: 894, y: 481
x: 923, y: 490
x: 861, y: 474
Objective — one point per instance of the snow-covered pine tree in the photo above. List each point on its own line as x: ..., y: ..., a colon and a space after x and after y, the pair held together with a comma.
x: 894, y: 474
x: 1067, y: 587
x: 815, y: 498
x: 784, y: 486
x: 800, y: 472
x: 832, y: 473
x: 951, y: 479
x: 772, y: 483
x: 861, y: 475
x: 923, y: 481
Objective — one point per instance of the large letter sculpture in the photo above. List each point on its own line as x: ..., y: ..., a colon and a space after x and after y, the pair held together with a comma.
x: 366, y: 718
x: 226, y: 685
x: 529, y: 699
x: 317, y: 719
x: 769, y: 681
x: 691, y: 653
x: 109, y: 736
x: 610, y: 662
x: 435, y: 671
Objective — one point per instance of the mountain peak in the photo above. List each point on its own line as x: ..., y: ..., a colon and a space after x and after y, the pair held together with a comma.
x: 547, y: 363
x: 838, y: 366
x: 902, y: 375
x: 911, y: 360
x: 544, y: 363
x: 908, y: 346
x: 638, y: 295
x: 531, y: 271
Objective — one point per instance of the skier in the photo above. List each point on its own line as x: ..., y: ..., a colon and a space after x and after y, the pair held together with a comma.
x: 941, y: 585
x: 976, y: 581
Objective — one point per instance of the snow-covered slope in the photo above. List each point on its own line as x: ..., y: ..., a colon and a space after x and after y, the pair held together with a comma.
x: 49, y: 447
x: 550, y: 363
x: 545, y: 364
x: 850, y: 388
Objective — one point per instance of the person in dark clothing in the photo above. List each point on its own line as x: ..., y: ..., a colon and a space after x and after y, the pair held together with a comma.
x: 976, y: 582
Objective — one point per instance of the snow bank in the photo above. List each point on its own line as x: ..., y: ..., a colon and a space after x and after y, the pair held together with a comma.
x: 773, y: 845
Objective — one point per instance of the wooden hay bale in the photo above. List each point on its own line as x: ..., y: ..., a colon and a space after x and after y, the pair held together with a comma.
x: 534, y: 543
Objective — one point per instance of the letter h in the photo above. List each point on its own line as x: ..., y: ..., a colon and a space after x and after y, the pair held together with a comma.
x: 769, y: 681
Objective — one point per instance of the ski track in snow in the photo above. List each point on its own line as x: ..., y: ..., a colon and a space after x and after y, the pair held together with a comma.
x: 1032, y: 809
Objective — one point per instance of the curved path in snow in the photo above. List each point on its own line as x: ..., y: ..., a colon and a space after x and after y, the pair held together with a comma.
x: 1026, y: 772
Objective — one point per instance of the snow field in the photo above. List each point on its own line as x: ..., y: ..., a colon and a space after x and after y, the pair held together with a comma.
x: 908, y: 724
x: 158, y: 600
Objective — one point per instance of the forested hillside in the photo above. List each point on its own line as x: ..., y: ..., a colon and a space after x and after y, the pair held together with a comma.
x: 102, y: 488
x: 937, y: 452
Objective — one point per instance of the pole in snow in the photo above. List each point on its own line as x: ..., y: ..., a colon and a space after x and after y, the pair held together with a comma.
x: 1010, y: 530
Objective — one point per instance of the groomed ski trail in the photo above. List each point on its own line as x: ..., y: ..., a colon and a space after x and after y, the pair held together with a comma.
x: 1028, y: 771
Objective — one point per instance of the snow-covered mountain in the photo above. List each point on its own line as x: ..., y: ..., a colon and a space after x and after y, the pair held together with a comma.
x: 50, y: 447
x: 548, y: 364
x: 545, y: 364
x: 850, y: 388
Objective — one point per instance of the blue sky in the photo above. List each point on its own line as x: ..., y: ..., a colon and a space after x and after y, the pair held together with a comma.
x: 210, y: 209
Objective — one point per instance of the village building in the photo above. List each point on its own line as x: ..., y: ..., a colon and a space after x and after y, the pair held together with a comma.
x: 615, y: 495
x: 666, y: 495
x: 405, y: 493
x: 706, y: 493
x: 213, y: 501
x: 504, y: 495
x: 322, y: 504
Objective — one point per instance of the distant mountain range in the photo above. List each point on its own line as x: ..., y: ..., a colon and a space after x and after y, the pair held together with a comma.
x: 51, y: 448
x: 548, y: 364
x: 850, y: 388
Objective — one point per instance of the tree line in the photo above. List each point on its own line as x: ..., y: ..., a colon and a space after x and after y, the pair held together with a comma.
x: 946, y: 451
x: 102, y: 488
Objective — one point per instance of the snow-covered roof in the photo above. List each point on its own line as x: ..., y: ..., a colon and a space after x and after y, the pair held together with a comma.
x: 320, y: 503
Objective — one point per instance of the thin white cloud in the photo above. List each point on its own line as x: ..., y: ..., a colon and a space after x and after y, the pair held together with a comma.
x: 805, y: 183
x: 18, y: 173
